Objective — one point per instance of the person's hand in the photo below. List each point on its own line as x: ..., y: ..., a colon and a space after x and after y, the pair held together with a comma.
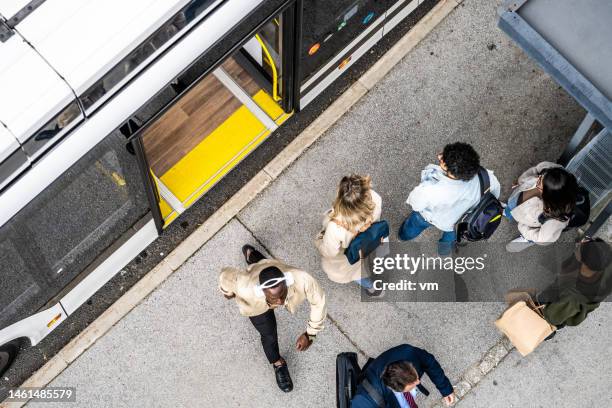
x: 303, y: 342
x: 449, y: 399
x: 229, y: 296
x: 515, y: 184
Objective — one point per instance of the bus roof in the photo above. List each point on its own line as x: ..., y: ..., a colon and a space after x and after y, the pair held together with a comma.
x: 63, y: 47
x: 83, y: 39
x: 32, y: 92
x: 8, y: 8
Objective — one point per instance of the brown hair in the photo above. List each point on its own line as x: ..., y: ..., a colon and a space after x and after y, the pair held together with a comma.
x: 399, y: 374
x: 353, y: 206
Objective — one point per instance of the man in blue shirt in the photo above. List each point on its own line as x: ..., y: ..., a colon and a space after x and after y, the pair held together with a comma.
x: 447, y: 190
x: 396, y: 376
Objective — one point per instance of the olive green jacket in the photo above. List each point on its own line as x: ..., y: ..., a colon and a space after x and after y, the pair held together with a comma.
x: 570, y: 310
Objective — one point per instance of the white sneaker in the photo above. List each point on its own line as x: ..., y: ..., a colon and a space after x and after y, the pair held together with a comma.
x: 518, y: 244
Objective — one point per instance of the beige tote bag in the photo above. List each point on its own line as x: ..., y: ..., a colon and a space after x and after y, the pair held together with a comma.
x: 525, y: 326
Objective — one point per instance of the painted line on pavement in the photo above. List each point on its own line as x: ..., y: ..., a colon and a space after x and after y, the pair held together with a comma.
x: 234, y: 205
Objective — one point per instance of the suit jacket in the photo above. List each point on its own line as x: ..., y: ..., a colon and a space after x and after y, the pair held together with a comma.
x: 240, y: 282
x: 422, y: 361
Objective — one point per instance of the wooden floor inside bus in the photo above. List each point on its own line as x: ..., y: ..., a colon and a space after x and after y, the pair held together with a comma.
x: 205, y: 134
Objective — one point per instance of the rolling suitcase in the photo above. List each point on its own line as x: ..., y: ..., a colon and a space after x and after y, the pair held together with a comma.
x: 347, y: 378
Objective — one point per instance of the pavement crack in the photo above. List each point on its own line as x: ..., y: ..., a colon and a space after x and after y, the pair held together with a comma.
x: 345, y: 334
x: 257, y: 240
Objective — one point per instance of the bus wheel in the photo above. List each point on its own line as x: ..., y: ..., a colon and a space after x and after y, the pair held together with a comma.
x: 7, y: 355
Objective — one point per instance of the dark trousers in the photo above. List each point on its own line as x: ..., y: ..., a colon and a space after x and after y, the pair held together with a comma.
x: 265, y: 323
x: 266, y: 326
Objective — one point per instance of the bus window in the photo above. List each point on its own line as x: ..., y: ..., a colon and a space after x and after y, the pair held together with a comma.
x: 19, y: 293
x: 77, y: 217
x: 52, y: 131
x: 331, y: 26
x: 135, y: 61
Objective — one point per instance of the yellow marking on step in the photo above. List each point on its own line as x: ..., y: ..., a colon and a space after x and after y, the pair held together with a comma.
x: 265, y: 102
x: 167, y: 212
x: 210, y: 160
x: 164, y: 207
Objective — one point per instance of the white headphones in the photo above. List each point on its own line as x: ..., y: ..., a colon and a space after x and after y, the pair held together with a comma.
x: 287, y: 278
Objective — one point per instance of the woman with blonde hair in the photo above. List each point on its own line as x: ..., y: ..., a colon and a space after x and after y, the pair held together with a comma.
x: 355, y: 208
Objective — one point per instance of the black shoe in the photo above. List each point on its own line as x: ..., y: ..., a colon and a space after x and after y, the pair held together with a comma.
x: 283, y: 379
x: 251, y: 255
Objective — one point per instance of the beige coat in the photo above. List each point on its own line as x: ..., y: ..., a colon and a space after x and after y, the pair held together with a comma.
x: 240, y: 282
x: 332, y: 242
x: 528, y: 212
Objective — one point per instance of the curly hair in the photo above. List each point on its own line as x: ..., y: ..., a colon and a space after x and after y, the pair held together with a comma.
x: 461, y: 160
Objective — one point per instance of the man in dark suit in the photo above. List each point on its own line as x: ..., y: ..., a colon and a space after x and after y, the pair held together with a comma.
x: 395, y: 376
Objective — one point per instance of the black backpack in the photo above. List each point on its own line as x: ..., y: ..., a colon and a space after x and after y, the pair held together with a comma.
x: 582, y: 212
x: 481, y: 221
x: 349, y: 376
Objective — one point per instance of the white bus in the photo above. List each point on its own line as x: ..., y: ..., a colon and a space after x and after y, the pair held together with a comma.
x: 116, y: 116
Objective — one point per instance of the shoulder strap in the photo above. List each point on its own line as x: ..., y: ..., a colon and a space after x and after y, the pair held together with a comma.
x: 378, y: 399
x: 483, y: 178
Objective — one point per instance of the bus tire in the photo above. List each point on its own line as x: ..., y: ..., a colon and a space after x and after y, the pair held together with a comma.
x: 7, y: 355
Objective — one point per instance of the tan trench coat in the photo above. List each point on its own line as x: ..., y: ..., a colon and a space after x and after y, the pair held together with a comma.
x: 528, y: 212
x: 240, y: 282
x: 332, y: 242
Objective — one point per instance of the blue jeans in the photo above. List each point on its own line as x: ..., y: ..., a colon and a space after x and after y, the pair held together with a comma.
x: 512, y: 204
x: 415, y: 224
x: 365, y: 283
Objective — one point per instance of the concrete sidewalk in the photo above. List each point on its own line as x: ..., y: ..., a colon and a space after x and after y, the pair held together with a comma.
x: 186, y: 346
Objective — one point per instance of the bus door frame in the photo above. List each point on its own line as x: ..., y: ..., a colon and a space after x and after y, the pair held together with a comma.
x: 291, y: 43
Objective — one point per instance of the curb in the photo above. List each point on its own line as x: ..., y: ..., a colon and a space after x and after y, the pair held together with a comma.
x: 473, y: 375
x: 149, y: 282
